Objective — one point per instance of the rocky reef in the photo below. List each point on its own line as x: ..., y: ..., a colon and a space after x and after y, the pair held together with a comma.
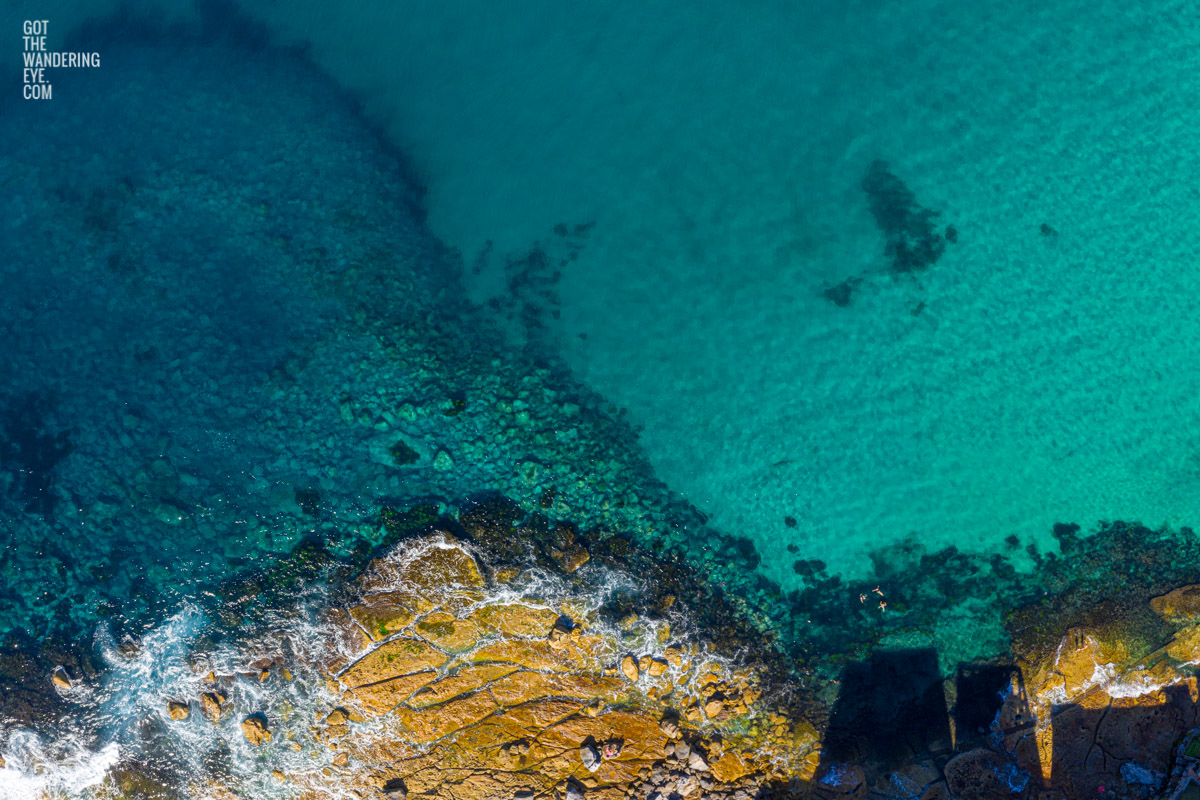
x: 1090, y: 716
x: 436, y: 673
x: 913, y: 243
x: 442, y: 669
x: 452, y: 681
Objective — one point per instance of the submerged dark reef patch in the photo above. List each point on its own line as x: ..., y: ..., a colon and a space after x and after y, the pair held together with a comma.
x: 912, y: 243
x: 31, y: 448
x: 1102, y: 580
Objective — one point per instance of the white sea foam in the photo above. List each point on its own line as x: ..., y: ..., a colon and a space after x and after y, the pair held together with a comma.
x: 36, y: 769
x: 1135, y: 685
x: 583, y: 594
x: 122, y: 716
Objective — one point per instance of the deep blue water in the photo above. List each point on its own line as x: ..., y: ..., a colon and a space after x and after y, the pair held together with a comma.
x: 229, y: 331
x: 180, y: 253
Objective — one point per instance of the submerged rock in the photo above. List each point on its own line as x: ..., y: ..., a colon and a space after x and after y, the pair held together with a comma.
x: 913, y: 242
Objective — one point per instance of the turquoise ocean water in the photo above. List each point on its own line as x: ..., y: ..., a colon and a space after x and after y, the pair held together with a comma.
x: 1025, y: 379
x: 273, y: 267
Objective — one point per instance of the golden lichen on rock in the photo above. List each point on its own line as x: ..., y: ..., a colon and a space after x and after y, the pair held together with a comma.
x: 391, y: 659
x: 1179, y: 604
x: 254, y: 728
x: 471, y: 695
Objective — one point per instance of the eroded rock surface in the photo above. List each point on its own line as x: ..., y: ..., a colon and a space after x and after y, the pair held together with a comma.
x: 453, y: 689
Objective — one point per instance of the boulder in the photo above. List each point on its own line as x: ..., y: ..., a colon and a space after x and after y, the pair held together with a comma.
x: 177, y: 710
x: 254, y: 728
x: 729, y: 767
x: 572, y: 558
x: 590, y: 756
x: 560, y: 633
x: 939, y: 791
x: 629, y: 668
x: 670, y: 726
x: 60, y: 679
x: 844, y: 779
x: 210, y: 705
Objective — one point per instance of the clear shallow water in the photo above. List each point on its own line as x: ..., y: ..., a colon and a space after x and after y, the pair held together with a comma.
x: 720, y: 153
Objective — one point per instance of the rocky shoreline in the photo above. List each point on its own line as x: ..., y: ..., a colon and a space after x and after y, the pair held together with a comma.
x: 439, y: 673
x: 502, y: 654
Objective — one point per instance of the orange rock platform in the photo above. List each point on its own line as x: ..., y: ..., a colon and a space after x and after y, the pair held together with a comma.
x: 449, y: 683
